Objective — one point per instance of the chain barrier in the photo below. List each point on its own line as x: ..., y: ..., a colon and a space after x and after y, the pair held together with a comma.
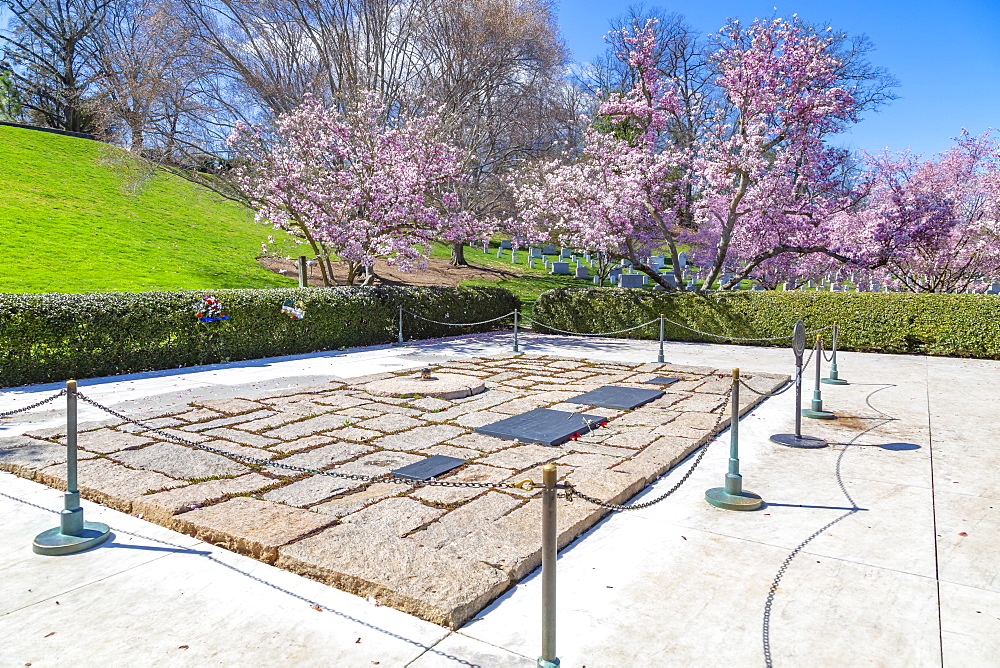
x: 789, y: 384
x: 822, y: 349
x: 564, y: 331
x: 35, y: 405
x: 460, y: 324
x: 570, y: 490
x: 737, y: 338
x: 526, y: 485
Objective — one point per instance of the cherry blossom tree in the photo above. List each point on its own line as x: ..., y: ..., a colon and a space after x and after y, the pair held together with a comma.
x: 355, y: 185
x: 932, y: 225
x: 758, y: 183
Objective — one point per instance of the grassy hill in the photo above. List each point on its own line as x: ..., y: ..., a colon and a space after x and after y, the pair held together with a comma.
x: 68, y: 223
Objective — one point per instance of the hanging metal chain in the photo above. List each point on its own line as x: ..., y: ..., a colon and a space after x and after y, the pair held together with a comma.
x: 570, y: 490
x: 737, y: 338
x: 787, y: 385
x: 460, y: 324
x: 35, y: 405
x: 564, y: 331
x: 526, y: 485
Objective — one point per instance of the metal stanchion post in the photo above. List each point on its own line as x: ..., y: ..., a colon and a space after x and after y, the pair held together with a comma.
x: 73, y: 534
x: 400, y: 342
x: 797, y: 440
x: 834, y: 379
x: 816, y: 411
x: 659, y: 358
x: 732, y: 496
x: 303, y: 277
x: 548, y: 658
x: 517, y: 348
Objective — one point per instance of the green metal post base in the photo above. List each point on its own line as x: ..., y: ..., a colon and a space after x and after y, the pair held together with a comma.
x: 818, y: 415
x: 55, y: 542
x: 744, y: 500
x: 834, y: 381
x: 542, y: 663
x: 793, y: 441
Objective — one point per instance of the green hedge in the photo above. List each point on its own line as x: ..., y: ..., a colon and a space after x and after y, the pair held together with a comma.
x: 926, y: 324
x: 53, y: 337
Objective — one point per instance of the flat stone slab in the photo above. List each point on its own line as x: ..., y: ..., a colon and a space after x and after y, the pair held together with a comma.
x: 440, y: 386
x: 614, y: 396
x: 428, y: 468
x: 251, y: 526
x: 543, y: 426
x: 179, y: 461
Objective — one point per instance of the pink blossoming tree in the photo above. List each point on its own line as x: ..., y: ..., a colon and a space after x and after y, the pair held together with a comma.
x: 355, y: 185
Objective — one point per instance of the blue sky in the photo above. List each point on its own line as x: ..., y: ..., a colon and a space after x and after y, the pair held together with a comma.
x: 945, y: 54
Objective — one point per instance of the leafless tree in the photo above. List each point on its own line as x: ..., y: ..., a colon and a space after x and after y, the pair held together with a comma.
x: 51, y: 47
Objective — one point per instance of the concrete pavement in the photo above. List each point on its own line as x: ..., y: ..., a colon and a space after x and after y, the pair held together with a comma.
x: 879, y: 550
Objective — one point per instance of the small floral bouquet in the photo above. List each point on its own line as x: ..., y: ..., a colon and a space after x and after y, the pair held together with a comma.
x: 210, y: 310
x: 296, y: 310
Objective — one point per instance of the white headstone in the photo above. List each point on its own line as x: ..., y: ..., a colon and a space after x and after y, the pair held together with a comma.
x: 561, y: 268
x: 682, y: 259
x: 631, y: 281
x: 581, y: 272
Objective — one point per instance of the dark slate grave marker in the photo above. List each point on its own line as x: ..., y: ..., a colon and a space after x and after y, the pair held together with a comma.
x: 663, y: 380
x: 543, y: 425
x: 428, y: 468
x: 614, y: 396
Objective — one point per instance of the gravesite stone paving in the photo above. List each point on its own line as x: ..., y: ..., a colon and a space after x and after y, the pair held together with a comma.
x: 441, y: 553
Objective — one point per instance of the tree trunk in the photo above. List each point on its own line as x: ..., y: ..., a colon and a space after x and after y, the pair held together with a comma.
x: 458, y: 255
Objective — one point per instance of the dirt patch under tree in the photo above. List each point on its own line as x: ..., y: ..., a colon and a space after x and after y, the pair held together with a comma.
x: 438, y: 272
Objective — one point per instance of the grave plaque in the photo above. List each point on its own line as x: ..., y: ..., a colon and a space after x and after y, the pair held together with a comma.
x: 630, y: 281
x: 663, y: 380
x: 543, y: 425
x: 428, y: 468
x: 560, y: 268
x: 615, y: 396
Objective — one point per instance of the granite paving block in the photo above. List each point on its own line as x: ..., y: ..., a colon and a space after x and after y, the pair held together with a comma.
x: 630, y: 437
x: 325, y: 455
x: 522, y: 456
x: 589, y: 461
x: 109, y: 440
x: 580, y: 445
x: 674, y: 429
x: 108, y: 483
x: 285, y: 447
x: 487, y: 399
x: 697, y: 420
x: 396, y: 516
x: 162, y: 506
x: 251, y: 526
x: 398, y: 572
x: 430, y: 403
x: 348, y: 503
x: 354, y: 434
x: 659, y: 457
x: 171, y: 434
x: 340, y: 401
x: 229, y: 406
x: 452, y: 451
x: 311, y: 490
x: 306, y: 427
x: 390, y: 423
x: 479, y: 442
x: 23, y: 455
x: 379, y: 463
x: 522, y: 405
x: 230, y: 420
x: 179, y: 461
x: 273, y: 420
x: 479, y: 419
x: 238, y: 449
x: 472, y: 473
x: 155, y: 423
x: 238, y: 436
x: 299, y: 405
x: 466, y: 518
x: 360, y: 413
x: 198, y: 415
x: 420, y: 438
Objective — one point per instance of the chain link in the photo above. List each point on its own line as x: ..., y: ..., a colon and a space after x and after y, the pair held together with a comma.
x: 35, y: 405
x: 460, y: 324
x: 787, y: 385
x: 570, y: 490
x: 564, y: 331
x: 526, y: 485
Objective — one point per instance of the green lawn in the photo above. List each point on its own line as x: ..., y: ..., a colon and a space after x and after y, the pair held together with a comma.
x: 69, y: 224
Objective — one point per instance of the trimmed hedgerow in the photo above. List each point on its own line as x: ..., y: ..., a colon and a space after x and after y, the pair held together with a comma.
x: 927, y: 324
x: 53, y: 337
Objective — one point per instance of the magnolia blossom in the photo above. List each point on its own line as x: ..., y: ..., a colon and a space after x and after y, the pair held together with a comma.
x: 355, y: 186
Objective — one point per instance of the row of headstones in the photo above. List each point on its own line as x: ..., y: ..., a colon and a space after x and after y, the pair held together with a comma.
x: 634, y: 280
